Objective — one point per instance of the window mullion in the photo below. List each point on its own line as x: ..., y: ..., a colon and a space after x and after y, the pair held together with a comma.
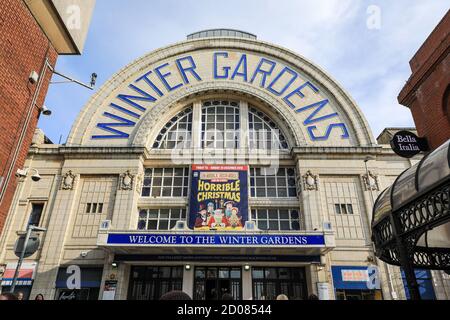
x: 243, y: 126
x: 196, y: 124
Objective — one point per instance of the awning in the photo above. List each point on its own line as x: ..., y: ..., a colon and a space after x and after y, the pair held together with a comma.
x: 415, y: 211
x: 355, y: 277
x: 234, y: 244
x: 26, y: 274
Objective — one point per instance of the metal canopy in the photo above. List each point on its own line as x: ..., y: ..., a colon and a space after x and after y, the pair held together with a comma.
x: 411, y: 218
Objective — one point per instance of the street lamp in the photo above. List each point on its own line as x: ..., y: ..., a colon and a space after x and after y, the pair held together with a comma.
x: 30, y: 229
x: 370, y: 184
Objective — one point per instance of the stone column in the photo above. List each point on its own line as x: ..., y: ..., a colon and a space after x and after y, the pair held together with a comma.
x: 125, y: 213
x: 121, y: 273
x: 188, y: 281
x: 64, y: 206
x: 247, y: 292
x: 309, y: 197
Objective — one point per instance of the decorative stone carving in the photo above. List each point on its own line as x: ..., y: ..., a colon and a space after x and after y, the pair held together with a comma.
x: 370, y: 181
x: 68, y: 181
x: 126, y: 181
x: 310, y: 181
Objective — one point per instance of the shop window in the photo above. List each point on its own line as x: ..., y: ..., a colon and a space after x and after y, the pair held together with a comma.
x: 89, y: 285
x: 36, y: 214
x: 277, y: 183
x: 159, y: 219
x: 425, y: 282
x: 165, y: 182
x: 276, y: 219
x: 177, y: 133
x: 263, y: 132
x: 220, y: 124
x: 355, y: 294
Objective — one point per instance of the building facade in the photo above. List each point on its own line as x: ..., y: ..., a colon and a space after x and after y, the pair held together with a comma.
x: 220, y: 164
x: 32, y: 35
x: 427, y: 91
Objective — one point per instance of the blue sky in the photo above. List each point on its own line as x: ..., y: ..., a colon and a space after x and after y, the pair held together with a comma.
x: 371, y: 64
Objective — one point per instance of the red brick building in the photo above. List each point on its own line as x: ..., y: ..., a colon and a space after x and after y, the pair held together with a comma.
x: 32, y: 35
x: 427, y: 90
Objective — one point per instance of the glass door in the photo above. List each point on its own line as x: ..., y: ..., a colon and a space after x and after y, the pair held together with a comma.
x: 211, y: 283
x: 268, y: 283
x: 150, y: 283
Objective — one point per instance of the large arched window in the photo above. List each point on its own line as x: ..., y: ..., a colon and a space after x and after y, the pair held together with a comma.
x: 220, y: 127
x: 177, y: 133
x: 263, y: 133
x: 220, y: 124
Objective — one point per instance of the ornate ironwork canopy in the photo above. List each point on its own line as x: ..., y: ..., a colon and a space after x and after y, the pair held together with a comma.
x: 411, y: 218
x: 417, y: 202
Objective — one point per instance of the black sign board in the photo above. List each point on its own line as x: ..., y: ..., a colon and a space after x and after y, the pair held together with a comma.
x: 406, y: 144
x: 32, y: 245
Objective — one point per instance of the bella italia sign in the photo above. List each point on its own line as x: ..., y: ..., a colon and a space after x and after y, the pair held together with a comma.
x: 216, y: 239
x: 406, y: 144
x: 125, y: 109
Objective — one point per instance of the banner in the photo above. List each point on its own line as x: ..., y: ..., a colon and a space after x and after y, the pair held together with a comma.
x: 215, y: 239
x: 219, y: 197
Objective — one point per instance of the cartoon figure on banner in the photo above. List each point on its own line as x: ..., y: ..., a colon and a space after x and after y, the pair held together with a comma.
x: 202, y: 218
x: 210, y: 210
x: 218, y: 220
x: 234, y: 220
x: 228, y: 208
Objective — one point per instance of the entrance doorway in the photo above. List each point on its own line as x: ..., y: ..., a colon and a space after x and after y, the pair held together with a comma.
x: 151, y: 282
x: 211, y: 283
x: 268, y: 283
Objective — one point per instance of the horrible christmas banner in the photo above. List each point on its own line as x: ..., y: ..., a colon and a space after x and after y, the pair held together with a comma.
x: 219, y: 197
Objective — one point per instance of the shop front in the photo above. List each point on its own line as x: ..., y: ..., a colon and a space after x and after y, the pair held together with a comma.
x: 356, y: 283
x: 25, y: 278
x: 86, y: 287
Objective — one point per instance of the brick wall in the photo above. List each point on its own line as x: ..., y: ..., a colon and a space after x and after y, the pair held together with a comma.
x: 424, y: 92
x: 23, y: 48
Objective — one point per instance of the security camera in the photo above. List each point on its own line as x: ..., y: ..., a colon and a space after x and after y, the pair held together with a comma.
x: 20, y: 173
x: 36, y: 177
x: 93, y: 79
x: 46, y: 111
x: 33, y: 77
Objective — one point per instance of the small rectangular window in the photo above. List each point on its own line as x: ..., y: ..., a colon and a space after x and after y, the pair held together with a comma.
x: 94, y: 208
x: 343, y: 209
x: 100, y: 207
x: 36, y: 213
x: 88, y: 208
x: 337, y: 208
x: 349, y: 208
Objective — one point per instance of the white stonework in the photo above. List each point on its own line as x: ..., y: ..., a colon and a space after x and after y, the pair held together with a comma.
x: 88, y: 181
x: 310, y: 181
